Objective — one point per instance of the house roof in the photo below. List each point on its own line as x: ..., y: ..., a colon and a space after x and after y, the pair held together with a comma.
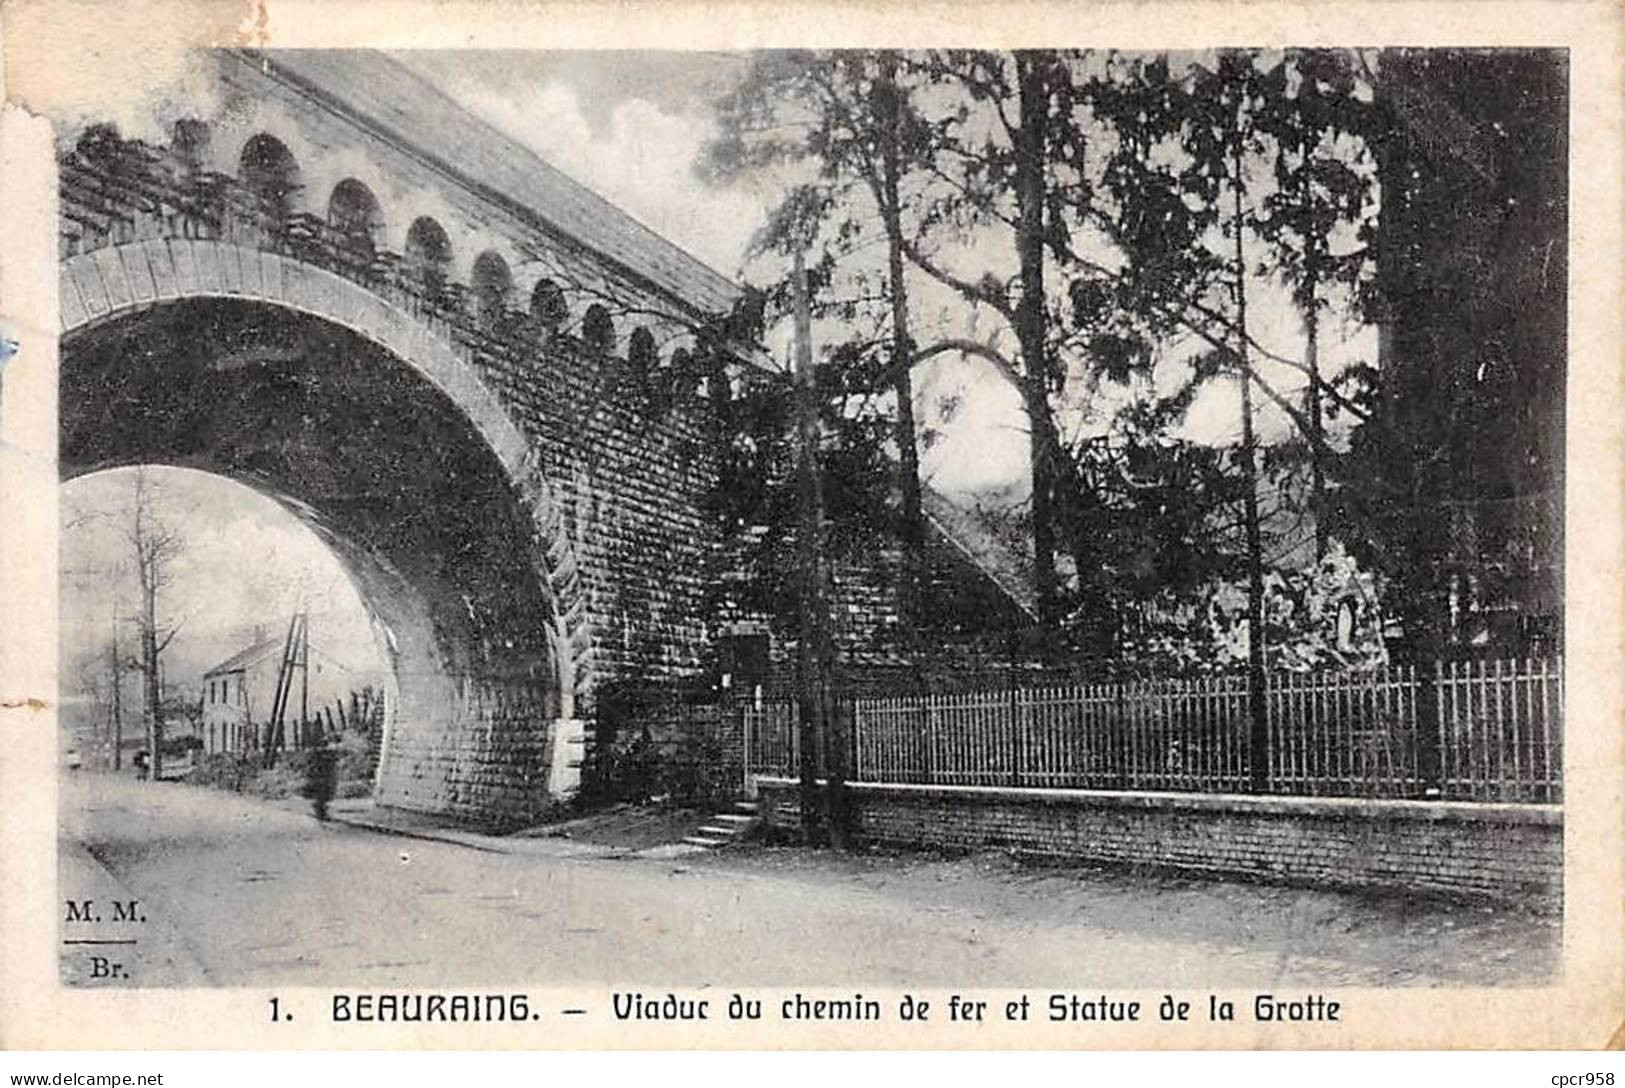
x: 409, y: 110
x: 1006, y: 567
x: 240, y: 660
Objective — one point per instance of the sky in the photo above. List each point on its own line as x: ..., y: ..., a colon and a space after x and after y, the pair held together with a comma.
x: 247, y: 564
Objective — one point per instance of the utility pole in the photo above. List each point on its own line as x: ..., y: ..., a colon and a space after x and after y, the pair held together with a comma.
x: 304, y: 683
x: 295, y: 655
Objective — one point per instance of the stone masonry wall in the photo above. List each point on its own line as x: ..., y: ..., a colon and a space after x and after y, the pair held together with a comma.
x: 632, y: 481
x: 630, y: 477
x: 650, y: 744
x: 627, y: 455
x: 1506, y: 852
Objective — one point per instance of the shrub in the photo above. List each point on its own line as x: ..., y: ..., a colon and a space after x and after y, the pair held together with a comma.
x: 355, y: 764
x: 247, y: 773
x: 224, y: 770
x: 275, y: 783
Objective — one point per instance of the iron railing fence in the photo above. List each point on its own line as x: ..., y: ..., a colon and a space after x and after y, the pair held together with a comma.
x: 1487, y: 731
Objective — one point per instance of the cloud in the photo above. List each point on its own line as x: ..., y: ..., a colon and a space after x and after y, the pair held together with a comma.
x: 641, y: 161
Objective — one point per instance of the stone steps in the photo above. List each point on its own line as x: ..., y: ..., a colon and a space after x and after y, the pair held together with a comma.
x: 726, y: 827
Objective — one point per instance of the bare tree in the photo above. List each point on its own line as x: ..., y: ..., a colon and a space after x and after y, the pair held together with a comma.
x: 154, y: 545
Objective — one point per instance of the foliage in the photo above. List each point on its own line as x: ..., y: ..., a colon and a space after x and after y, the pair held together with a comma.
x: 1452, y: 480
x: 247, y: 773
x: 1114, y: 211
x: 1159, y: 508
x: 754, y: 498
x: 224, y: 770
x: 845, y: 122
x: 1323, y: 618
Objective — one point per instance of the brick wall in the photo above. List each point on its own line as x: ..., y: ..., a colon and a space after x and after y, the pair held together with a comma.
x: 661, y: 742
x: 1506, y: 852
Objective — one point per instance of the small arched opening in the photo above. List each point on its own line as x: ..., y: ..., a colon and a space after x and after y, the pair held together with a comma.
x: 428, y: 257
x: 190, y: 141
x: 270, y: 174
x: 492, y: 286
x: 547, y: 306
x: 642, y: 363
x: 355, y: 216
x: 598, y: 329
x: 641, y: 352
x: 201, y: 200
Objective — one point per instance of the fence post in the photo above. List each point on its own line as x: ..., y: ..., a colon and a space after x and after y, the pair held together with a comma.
x: 746, y: 757
x: 1015, y: 730
x: 928, y: 763
x: 1430, y: 727
x: 1120, y: 732
x: 854, y: 769
x: 1258, y: 729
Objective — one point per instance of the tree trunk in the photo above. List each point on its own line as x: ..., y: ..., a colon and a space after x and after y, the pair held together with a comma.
x: 1311, y: 357
x: 902, y: 346
x: 1031, y: 331
x: 1258, y: 738
x: 118, y: 703
x: 1317, y: 468
x: 152, y: 698
x: 812, y: 695
x: 1098, y: 615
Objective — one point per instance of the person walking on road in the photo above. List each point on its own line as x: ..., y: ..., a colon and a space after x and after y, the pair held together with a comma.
x: 321, y: 777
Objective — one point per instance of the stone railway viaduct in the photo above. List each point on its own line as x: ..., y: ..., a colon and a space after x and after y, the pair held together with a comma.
x: 484, y: 386
x: 471, y: 376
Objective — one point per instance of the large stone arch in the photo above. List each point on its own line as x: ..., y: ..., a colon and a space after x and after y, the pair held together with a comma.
x: 144, y: 283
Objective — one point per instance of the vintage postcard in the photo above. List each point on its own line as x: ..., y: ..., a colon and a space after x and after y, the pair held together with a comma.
x: 811, y: 525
